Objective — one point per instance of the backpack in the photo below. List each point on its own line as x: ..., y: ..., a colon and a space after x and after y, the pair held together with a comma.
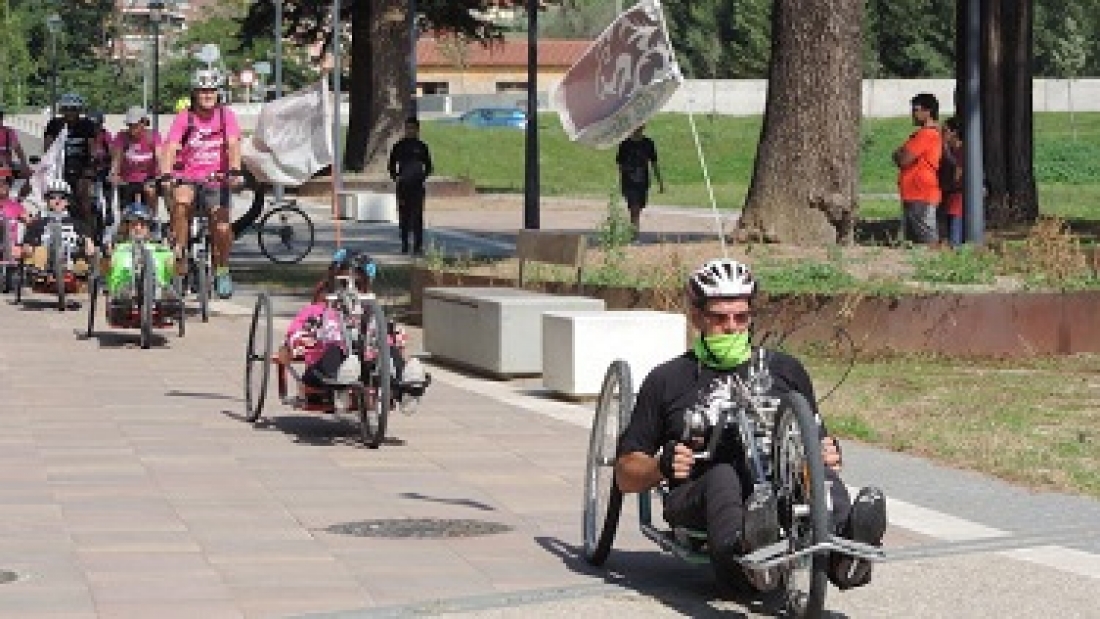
x: 946, y: 175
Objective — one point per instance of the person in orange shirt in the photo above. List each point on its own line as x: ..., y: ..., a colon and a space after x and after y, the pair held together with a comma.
x: 918, y: 162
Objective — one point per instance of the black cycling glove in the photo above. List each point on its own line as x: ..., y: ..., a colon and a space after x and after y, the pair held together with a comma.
x: 664, y: 463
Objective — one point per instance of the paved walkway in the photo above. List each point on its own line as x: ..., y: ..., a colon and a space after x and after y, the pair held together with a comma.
x: 132, y: 488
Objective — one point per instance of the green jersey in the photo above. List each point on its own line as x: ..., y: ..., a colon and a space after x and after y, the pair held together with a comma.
x: 122, y: 267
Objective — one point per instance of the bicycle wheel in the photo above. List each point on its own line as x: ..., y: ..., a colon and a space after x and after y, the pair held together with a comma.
x: 181, y: 315
x: 20, y: 277
x: 374, y: 399
x: 202, y: 282
x: 147, y: 277
x: 285, y: 235
x: 257, y: 359
x: 57, y: 263
x: 603, y: 501
x: 803, y: 510
x: 93, y: 296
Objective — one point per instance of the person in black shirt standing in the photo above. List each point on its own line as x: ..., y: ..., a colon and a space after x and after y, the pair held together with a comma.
x: 714, y: 495
x: 79, y: 170
x: 636, y: 154
x: 409, y: 166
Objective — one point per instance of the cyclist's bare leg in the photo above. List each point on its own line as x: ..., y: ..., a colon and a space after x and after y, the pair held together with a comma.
x: 149, y: 197
x: 221, y: 236
x: 183, y: 199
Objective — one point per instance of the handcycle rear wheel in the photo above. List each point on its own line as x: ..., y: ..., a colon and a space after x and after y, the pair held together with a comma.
x: 803, y: 507
x: 603, y: 501
x: 93, y: 296
x: 148, y: 296
x: 257, y: 361
x: 202, y: 283
x: 57, y: 263
x: 285, y: 235
x: 374, y: 400
x: 181, y: 316
x: 20, y: 278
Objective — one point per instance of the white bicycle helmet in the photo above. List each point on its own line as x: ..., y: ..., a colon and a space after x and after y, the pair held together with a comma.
x: 71, y: 101
x: 720, y: 279
x: 58, y: 185
x: 207, y: 79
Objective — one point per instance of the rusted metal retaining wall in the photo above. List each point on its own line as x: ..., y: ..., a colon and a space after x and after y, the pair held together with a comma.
x: 956, y: 324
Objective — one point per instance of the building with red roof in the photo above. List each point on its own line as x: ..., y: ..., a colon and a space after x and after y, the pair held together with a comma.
x: 446, y: 66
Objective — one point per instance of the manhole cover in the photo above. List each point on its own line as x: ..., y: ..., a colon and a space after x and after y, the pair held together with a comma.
x: 7, y: 576
x: 419, y: 527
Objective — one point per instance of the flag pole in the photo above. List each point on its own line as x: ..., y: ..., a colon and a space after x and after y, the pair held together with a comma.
x: 337, y: 181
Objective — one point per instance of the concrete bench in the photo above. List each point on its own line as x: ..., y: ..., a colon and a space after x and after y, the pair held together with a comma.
x: 577, y: 346
x: 496, y: 331
x: 560, y: 248
x: 363, y: 205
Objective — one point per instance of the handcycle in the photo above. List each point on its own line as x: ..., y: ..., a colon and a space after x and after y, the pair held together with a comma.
x: 59, y: 275
x: 368, y: 400
x: 144, y: 310
x: 11, y: 233
x: 783, y: 454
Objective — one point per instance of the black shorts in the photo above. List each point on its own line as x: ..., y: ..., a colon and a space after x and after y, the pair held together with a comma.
x: 213, y: 196
x: 636, y: 196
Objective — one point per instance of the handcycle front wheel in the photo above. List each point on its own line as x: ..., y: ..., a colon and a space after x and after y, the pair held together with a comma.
x: 803, y: 507
x: 374, y: 398
x: 285, y: 234
x: 57, y: 258
x: 148, y: 296
x: 603, y: 501
x: 257, y: 360
x: 93, y: 296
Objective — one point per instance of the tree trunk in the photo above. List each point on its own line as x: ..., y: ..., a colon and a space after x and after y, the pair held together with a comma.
x: 359, y: 87
x: 1006, y: 101
x: 379, y: 84
x: 805, y: 179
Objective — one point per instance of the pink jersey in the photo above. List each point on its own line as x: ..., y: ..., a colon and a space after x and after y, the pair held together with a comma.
x: 139, y: 162
x: 203, y: 143
x: 319, y: 326
x: 101, y: 145
x: 12, y: 212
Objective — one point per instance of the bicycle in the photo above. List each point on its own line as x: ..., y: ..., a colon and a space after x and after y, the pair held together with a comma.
x: 362, y: 322
x: 782, y: 451
x: 285, y: 234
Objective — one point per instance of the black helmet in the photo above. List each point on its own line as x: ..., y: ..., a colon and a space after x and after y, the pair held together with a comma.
x: 361, y: 261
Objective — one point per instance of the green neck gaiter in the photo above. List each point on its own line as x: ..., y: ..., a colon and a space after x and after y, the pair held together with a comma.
x: 723, y: 352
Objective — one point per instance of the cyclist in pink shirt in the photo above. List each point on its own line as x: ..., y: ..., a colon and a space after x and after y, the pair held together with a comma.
x: 134, y: 161
x: 203, y: 153
x: 12, y: 214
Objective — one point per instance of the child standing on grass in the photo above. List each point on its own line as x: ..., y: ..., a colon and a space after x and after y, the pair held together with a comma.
x: 951, y: 184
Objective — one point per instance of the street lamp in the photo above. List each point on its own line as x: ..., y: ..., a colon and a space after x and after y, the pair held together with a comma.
x: 156, y: 13
x: 53, y: 25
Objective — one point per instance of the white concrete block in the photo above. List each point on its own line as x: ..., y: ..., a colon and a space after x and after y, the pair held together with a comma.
x: 362, y: 205
x: 577, y: 346
x: 494, y: 330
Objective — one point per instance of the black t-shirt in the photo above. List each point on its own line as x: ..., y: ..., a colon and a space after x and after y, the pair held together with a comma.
x: 74, y: 231
x: 410, y: 161
x: 634, y: 158
x: 78, y: 147
x: 683, y: 384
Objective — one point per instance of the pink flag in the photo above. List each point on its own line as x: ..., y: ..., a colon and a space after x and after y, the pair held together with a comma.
x: 626, y: 76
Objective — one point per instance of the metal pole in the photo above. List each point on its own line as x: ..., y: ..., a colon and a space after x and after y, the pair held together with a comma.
x: 156, y: 73
x: 279, y: 190
x: 53, y: 74
x: 412, y: 57
x: 531, y: 152
x: 973, y: 171
x: 337, y: 181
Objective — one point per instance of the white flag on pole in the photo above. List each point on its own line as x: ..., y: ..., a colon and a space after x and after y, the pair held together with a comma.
x: 293, y: 139
x: 625, y: 76
x: 51, y: 166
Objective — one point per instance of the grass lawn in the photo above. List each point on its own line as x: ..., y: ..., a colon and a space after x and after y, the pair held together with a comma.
x: 1068, y: 170
x: 1034, y: 422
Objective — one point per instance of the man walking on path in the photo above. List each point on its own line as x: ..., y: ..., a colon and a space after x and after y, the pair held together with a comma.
x: 636, y: 154
x: 409, y: 166
x: 918, y: 162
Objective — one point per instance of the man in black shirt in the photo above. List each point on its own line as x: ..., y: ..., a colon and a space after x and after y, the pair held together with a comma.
x: 714, y: 495
x: 636, y: 154
x: 79, y: 170
x: 410, y: 165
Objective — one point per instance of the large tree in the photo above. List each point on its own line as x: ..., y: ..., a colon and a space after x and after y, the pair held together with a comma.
x: 805, y: 179
x: 1006, y: 103
x: 378, y: 78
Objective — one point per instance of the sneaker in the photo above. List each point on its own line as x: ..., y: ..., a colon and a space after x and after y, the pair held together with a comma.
x: 349, y: 371
x: 760, y: 529
x: 866, y: 524
x: 223, y: 283
x: 414, y: 372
